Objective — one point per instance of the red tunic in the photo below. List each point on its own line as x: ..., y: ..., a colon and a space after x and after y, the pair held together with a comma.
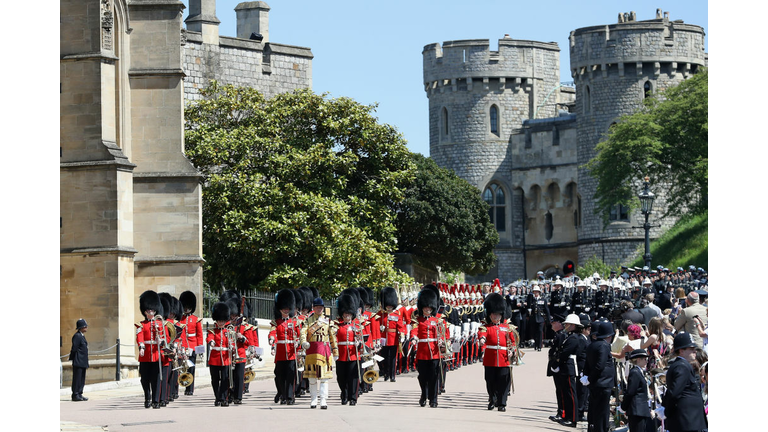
x: 426, y: 332
x: 498, y: 340
x: 367, y: 334
x: 219, y: 355
x: 345, y: 338
x: 284, y: 335
x: 192, y: 335
x: 241, y: 345
x: 394, y: 326
x: 146, y: 337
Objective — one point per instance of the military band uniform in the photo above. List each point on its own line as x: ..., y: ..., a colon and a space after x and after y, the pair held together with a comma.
x: 284, y: 338
x: 192, y: 335
x: 349, y: 346
x: 318, y: 338
x: 392, y: 328
x: 425, y: 335
x: 539, y: 316
x: 147, y: 340
x: 499, y: 342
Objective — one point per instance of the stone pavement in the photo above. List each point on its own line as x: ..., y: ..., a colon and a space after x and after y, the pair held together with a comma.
x: 391, y: 406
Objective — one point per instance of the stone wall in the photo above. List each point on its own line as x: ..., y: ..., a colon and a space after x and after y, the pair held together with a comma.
x: 269, y: 67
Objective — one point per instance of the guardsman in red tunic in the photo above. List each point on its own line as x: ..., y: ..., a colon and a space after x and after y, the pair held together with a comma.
x: 499, y: 341
x: 284, y: 339
x: 304, y: 311
x: 391, y: 325
x: 192, y: 335
x: 252, y: 334
x: 349, y: 343
x: 238, y: 369
x: 219, y: 356
x: 148, y: 334
x: 425, y: 334
x: 166, y: 351
x: 408, y: 300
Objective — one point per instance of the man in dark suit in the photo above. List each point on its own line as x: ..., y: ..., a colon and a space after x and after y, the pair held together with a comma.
x: 600, y: 377
x: 683, y: 404
x: 79, y: 357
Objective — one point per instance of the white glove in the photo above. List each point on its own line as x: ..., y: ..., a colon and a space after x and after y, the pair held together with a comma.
x: 335, y: 358
x: 415, y: 340
x: 141, y: 352
x: 305, y: 345
x: 213, y: 344
x: 272, y: 351
x: 402, y: 339
x: 382, y: 327
x: 584, y: 380
x: 555, y: 370
x: 482, y: 341
x: 660, y: 413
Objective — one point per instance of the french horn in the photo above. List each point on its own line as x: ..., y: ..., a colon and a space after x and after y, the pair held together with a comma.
x: 370, y: 376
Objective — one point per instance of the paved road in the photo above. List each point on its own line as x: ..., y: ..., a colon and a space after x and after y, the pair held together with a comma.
x: 391, y: 406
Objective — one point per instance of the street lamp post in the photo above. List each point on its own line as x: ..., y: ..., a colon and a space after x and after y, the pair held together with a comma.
x: 646, y: 202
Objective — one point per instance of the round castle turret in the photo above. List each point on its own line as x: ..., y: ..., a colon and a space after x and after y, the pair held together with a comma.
x: 467, y: 85
x: 614, y: 68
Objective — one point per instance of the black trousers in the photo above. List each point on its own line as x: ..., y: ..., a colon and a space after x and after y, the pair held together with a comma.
x: 165, y: 386
x: 285, y: 379
x: 536, y: 332
x: 599, y: 413
x: 583, y: 392
x: 390, y: 360
x: 150, y: 380
x: 429, y: 370
x: 220, y: 381
x: 191, y: 387
x: 238, y: 381
x: 641, y: 424
x: 497, y: 383
x: 567, y: 388
x: 78, y: 380
x: 348, y: 379
x: 558, y: 396
x: 442, y: 374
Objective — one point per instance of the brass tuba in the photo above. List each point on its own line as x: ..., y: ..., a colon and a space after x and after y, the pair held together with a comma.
x: 370, y: 376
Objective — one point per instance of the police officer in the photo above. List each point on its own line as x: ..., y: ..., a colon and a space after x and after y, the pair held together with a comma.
x: 682, y: 401
x: 79, y: 357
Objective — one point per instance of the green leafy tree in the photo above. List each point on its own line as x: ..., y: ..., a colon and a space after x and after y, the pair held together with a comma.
x: 592, y: 266
x: 298, y: 189
x: 444, y: 222
x: 666, y: 140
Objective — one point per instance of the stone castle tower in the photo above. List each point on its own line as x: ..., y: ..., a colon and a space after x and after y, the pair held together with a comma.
x: 614, y: 68
x: 503, y: 121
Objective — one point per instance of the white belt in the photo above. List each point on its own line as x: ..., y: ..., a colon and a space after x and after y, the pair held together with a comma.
x: 496, y: 347
x: 191, y: 334
x: 427, y: 340
x: 219, y: 349
x: 151, y: 342
x: 288, y: 341
x: 345, y: 343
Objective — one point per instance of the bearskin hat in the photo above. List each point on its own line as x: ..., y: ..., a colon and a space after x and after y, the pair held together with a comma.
x: 346, y: 303
x: 166, y: 302
x: 427, y: 298
x: 494, y: 303
x: 298, y: 295
x: 358, y: 300
x: 188, y: 300
x: 220, y: 312
x: 285, y: 299
x: 306, y: 298
x: 176, y: 307
x: 388, y: 297
x: 364, y: 296
x: 230, y: 294
x: 234, y: 307
x: 315, y: 292
x: 149, y: 300
x: 433, y: 288
x: 568, y: 267
x: 371, y: 295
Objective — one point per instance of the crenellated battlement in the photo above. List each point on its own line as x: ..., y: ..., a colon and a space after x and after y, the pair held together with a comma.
x: 464, y: 64
x: 637, y: 48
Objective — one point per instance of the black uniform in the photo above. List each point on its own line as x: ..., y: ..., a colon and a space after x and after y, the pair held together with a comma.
x: 539, y: 315
x: 601, y: 375
x: 566, y: 375
x: 579, y: 302
x: 683, y: 404
x: 635, y: 402
x: 552, y: 365
x: 79, y: 357
x: 603, y: 301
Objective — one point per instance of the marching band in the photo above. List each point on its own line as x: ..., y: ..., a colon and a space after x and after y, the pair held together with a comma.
x: 432, y: 330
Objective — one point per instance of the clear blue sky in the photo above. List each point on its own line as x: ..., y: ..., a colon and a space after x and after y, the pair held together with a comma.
x: 371, y: 50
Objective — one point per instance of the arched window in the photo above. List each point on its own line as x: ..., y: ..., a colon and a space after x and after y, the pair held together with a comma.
x: 494, y: 196
x: 647, y: 89
x: 549, y: 226
x: 494, y: 120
